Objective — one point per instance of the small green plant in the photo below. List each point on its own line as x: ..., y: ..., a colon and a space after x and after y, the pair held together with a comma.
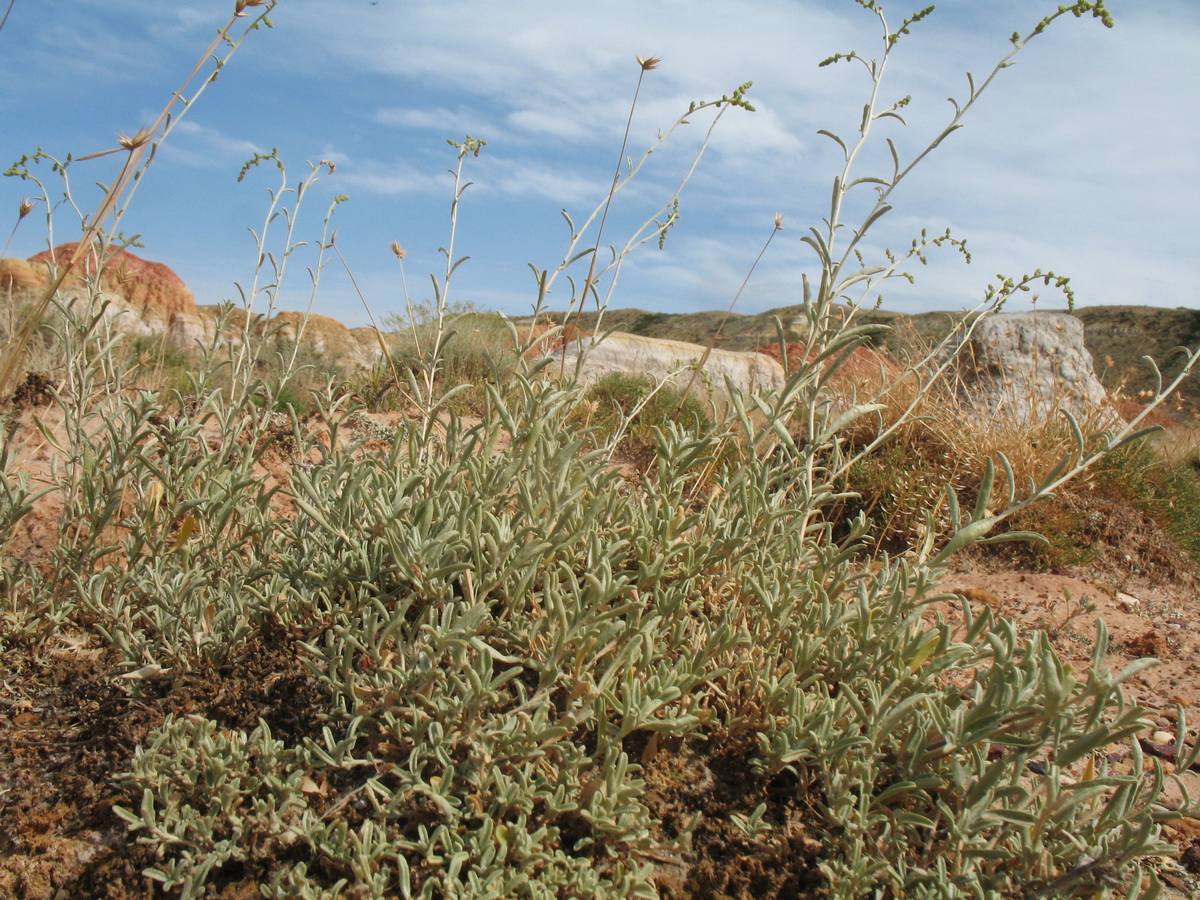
x: 1168, y: 493
x: 633, y: 410
x: 216, y: 794
x: 477, y: 348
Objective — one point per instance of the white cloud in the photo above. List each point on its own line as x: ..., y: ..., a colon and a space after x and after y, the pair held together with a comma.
x: 445, y: 122
x: 751, y: 138
x: 556, y: 183
x: 387, y: 180
x: 490, y: 175
x: 63, y: 51
x: 557, y: 124
x: 203, y: 146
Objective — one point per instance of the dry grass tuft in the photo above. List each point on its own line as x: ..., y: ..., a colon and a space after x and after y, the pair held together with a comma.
x: 901, y: 485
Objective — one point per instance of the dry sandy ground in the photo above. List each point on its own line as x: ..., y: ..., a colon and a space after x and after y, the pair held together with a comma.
x: 1144, y: 618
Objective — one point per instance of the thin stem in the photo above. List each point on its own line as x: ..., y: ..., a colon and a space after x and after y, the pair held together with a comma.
x: 24, y: 208
x: 587, y: 283
x: 7, y: 10
x: 442, y: 291
x: 728, y: 312
x: 383, y: 347
x: 901, y: 173
x: 645, y: 65
x: 122, y: 188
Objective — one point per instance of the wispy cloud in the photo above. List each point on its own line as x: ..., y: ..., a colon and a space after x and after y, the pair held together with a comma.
x: 545, y: 122
x: 490, y: 175
x: 387, y: 180
x: 62, y: 51
x: 203, y: 146
x: 553, y: 182
x: 445, y: 122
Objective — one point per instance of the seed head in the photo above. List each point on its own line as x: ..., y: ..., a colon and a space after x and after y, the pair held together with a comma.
x: 140, y: 137
x: 648, y: 64
x: 398, y: 250
x: 25, y: 208
x: 779, y: 221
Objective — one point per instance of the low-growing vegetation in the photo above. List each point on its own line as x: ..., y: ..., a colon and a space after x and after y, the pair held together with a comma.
x: 418, y: 635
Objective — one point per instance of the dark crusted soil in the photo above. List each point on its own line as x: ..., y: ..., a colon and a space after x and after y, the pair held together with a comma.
x: 68, y: 729
x: 701, y: 786
x: 69, y: 726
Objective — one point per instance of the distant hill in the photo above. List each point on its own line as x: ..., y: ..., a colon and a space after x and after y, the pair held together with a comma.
x: 1116, y: 336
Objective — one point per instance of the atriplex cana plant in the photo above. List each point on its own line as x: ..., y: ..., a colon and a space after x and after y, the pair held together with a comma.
x: 513, y: 644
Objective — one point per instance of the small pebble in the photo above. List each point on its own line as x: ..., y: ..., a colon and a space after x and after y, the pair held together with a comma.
x: 1162, y: 737
x: 1190, y: 859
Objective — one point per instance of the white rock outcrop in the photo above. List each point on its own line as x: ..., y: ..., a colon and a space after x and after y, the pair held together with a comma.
x: 1027, y: 366
x: 671, y: 361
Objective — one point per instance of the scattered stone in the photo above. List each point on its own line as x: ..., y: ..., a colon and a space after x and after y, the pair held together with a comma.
x: 981, y: 595
x: 1190, y: 858
x: 1151, y: 643
x: 1128, y: 601
x: 1165, y: 749
x: 1185, y: 826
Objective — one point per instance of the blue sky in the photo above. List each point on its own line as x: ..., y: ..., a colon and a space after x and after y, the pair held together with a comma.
x: 1081, y: 158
